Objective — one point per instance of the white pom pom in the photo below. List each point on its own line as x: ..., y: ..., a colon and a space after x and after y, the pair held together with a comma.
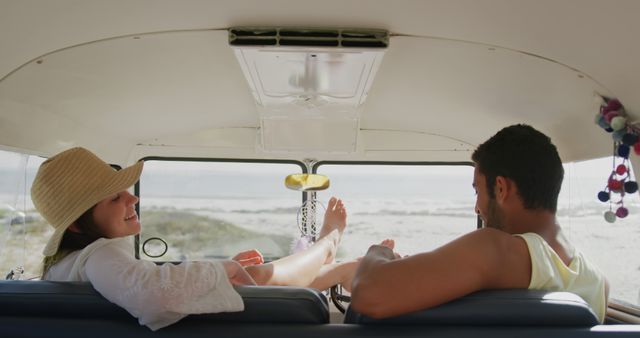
x: 618, y: 122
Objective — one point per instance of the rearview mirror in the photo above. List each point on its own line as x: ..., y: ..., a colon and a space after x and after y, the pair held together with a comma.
x: 306, y: 182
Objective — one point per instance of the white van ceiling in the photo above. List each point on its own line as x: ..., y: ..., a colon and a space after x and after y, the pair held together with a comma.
x: 130, y: 79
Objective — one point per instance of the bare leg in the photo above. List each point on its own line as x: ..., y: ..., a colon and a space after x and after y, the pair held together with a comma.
x: 336, y: 273
x: 302, y: 268
x: 341, y: 273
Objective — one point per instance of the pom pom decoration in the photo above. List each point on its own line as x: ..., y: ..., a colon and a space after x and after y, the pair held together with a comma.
x: 617, y: 135
x: 609, y: 216
x: 612, y: 118
x: 613, y: 104
x: 603, y: 196
x: 623, y: 150
x: 630, y: 139
x: 622, y: 212
x: 615, y: 185
x: 602, y: 122
x: 610, y: 115
x: 618, y: 123
x: 630, y: 187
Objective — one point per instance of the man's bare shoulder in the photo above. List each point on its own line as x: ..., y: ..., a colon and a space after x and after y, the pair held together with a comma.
x: 503, y: 257
x: 494, y: 239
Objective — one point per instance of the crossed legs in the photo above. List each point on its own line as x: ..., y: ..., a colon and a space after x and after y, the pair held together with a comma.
x: 314, y: 266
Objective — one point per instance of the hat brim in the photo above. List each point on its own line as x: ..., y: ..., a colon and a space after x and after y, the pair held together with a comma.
x: 121, y: 180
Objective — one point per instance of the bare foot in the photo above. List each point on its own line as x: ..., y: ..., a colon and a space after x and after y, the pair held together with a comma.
x: 389, y: 243
x: 335, y: 221
x: 335, y: 218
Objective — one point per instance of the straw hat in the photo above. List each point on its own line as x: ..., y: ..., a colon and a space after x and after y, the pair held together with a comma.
x: 70, y: 183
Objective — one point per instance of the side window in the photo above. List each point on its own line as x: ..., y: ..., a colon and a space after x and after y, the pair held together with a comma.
x: 217, y: 209
x: 611, y: 246
x: 23, y: 232
x: 421, y: 207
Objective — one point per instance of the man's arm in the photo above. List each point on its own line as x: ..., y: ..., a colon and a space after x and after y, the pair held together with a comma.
x: 484, y: 259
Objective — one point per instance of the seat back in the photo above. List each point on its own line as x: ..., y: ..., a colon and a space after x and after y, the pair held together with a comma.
x: 512, y: 307
x: 81, y: 300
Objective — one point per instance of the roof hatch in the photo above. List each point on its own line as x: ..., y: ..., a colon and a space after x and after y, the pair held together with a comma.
x: 309, y: 84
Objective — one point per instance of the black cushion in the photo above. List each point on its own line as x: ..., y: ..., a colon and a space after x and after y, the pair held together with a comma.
x: 81, y: 300
x: 513, y: 307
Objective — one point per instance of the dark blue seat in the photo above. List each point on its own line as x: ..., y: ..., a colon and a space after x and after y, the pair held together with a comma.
x: 75, y: 310
x: 81, y: 300
x: 512, y: 307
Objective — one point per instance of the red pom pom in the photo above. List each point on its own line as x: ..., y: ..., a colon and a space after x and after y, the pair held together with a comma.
x: 621, y: 169
x: 636, y: 148
x: 614, y: 104
x: 615, y: 185
x: 610, y: 115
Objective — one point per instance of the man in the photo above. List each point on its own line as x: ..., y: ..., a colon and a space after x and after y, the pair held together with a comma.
x: 517, y: 178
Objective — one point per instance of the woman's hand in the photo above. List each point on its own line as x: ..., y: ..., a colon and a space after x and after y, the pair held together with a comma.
x: 237, y: 274
x: 251, y: 257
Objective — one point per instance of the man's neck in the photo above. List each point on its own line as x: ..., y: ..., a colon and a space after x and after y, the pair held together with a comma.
x: 542, y: 222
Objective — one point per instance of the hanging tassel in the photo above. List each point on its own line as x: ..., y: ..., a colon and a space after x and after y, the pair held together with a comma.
x: 301, y: 244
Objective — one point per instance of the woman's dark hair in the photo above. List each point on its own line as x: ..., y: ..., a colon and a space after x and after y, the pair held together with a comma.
x: 72, y: 240
x: 526, y: 156
x: 88, y: 234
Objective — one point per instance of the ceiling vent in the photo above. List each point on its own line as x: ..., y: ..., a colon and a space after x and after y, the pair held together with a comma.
x: 314, y: 37
x: 309, y: 84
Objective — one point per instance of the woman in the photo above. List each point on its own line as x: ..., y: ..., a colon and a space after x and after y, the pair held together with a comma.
x: 93, y: 215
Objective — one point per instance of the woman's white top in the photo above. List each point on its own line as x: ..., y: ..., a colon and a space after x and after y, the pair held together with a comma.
x: 158, y: 295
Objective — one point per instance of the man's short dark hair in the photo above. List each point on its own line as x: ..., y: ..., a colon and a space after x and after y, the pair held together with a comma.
x: 527, y: 157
